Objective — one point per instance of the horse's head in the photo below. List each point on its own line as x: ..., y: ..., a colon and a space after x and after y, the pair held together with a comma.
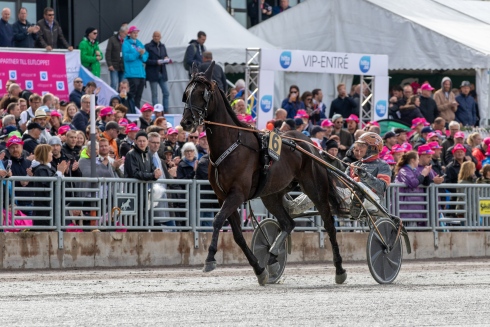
x: 197, y: 97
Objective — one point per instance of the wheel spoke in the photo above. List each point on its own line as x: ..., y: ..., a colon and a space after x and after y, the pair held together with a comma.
x: 375, y: 257
x: 393, y: 263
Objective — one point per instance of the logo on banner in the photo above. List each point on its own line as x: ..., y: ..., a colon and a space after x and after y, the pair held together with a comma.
x: 285, y: 59
x: 365, y: 64
x: 266, y: 103
x: 381, y: 108
x: 43, y: 76
x: 13, y: 74
x: 60, y: 86
x: 29, y: 85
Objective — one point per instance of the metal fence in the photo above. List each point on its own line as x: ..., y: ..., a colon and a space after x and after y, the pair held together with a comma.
x: 84, y: 204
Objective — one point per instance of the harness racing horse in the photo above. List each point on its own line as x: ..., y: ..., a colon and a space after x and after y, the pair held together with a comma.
x: 235, y: 172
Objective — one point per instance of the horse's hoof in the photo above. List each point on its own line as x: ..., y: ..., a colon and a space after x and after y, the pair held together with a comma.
x: 263, y: 278
x: 340, y: 279
x: 274, y: 268
x: 209, y: 266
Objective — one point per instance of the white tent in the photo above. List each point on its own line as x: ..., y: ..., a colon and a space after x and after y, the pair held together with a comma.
x: 417, y: 34
x: 179, y: 22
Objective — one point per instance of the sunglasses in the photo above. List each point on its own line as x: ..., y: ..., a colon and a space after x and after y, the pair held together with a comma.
x: 308, y: 99
x: 95, y: 33
x: 193, y: 137
x: 50, y: 15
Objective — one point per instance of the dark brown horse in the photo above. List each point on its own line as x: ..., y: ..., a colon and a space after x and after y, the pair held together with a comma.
x: 235, y: 177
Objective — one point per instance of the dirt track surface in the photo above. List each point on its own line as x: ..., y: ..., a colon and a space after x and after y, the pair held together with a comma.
x: 426, y: 293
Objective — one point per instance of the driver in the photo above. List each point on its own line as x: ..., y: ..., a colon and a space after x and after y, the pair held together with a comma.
x: 372, y: 173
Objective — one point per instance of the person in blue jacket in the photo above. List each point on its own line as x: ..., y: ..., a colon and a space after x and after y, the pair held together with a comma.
x: 293, y: 102
x: 25, y: 33
x: 466, y: 113
x: 134, y: 56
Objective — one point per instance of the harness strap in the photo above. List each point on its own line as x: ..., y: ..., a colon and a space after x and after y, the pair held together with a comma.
x: 225, y: 154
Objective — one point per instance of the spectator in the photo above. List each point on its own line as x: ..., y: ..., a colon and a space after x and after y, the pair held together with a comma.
x: 445, y: 100
x: 218, y: 73
x: 423, y: 136
x: 61, y: 133
x: 12, y: 95
x: 128, y: 142
x: 428, y: 106
x: 466, y: 113
x: 25, y: 116
x: 126, y: 97
x: 194, y: 51
x: 90, y: 53
x: 134, y: 55
x: 20, y: 164
x: 109, y: 167
x: 70, y: 112
x: 55, y: 123
x: 91, y: 88
x: 107, y: 114
x: 70, y: 148
x: 253, y: 9
x: 50, y: 35
x: 345, y: 138
x: 332, y: 148
x: 394, y: 102
x: 479, y: 152
x: 6, y: 30
x: 436, y: 162
x: 319, y: 108
x: 343, y: 104
x: 60, y: 156
x: 454, y: 166
x: 111, y: 132
x: 283, y: 5
x: 81, y: 118
x: 113, y: 57
x: 25, y: 33
x: 42, y: 119
x: 81, y: 140
x: 156, y: 69
x: 389, y: 140
x: 144, y: 121
x: 85, y: 164
x: 485, y: 175
x: 138, y: 163
x: 411, y: 110
x: 473, y: 140
x: 459, y: 139
x: 31, y: 138
x: 22, y: 105
x: 203, y: 146
x: 188, y: 165
x: 352, y: 124
x: 77, y: 93
x: 440, y: 125
x: 280, y: 114
x: 239, y: 107
x: 466, y: 175
x: 454, y: 128
x: 292, y: 103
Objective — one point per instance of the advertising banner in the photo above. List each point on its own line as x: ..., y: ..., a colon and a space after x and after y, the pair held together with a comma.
x: 324, y: 62
x: 381, y: 87
x: 266, y: 98
x: 36, y: 72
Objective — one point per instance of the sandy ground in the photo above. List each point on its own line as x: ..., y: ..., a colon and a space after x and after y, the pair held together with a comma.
x: 426, y: 293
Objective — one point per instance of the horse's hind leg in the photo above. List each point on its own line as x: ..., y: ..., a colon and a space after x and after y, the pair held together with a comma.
x: 262, y: 274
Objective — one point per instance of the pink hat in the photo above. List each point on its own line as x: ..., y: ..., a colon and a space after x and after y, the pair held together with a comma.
x: 424, y: 121
x: 459, y: 135
x: 14, y: 140
x: 407, y: 146
x: 438, y: 132
x: 416, y: 122
x: 425, y: 149
x: 132, y: 29
x: 123, y: 122
x: 302, y: 114
x: 326, y: 123
x: 55, y: 113
x: 147, y: 107
x: 431, y: 135
x: 389, y: 159
x: 371, y: 123
x: 203, y: 134
x: 63, y: 129
x: 384, y: 151
x: 397, y: 148
x: 426, y: 87
x: 172, y: 131
x: 435, y: 145
x: 353, y: 117
x: 106, y: 111
x: 458, y: 147
x: 486, y: 141
x: 132, y: 128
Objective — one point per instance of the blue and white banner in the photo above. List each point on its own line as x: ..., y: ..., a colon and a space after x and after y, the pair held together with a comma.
x: 380, y: 99
x: 265, y: 108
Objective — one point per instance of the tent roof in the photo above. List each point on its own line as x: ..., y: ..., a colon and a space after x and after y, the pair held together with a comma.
x: 417, y: 34
x: 179, y: 22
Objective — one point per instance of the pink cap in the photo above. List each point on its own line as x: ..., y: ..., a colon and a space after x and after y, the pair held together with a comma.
x: 106, y: 111
x: 63, y: 129
x: 326, y: 123
x: 431, y: 135
x: 372, y: 123
x: 426, y: 87
x: 14, y: 140
x: 132, y: 29
x: 435, y: 145
x: 55, y: 113
x: 425, y: 149
x: 302, y: 114
x: 123, y: 122
x: 203, y: 134
x: 353, y: 117
x: 389, y: 159
x: 397, y: 149
x: 132, y: 128
x: 407, y: 146
x: 459, y: 135
x: 416, y: 122
x: 424, y: 121
x: 458, y: 147
x: 172, y: 131
x: 147, y: 107
x: 384, y: 151
x: 486, y: 141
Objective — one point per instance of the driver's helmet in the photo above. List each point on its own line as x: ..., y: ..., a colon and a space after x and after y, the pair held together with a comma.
x: 373, y: 141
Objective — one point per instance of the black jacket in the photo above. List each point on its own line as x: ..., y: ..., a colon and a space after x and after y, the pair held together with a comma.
x: 143, y: 124
x: 76, y: 97
x: 29, y: 143
x: 113, y: 53
x: 153, y: 70
x: 80, y: 120
x: 138, y: 164
x: 125, y: 147
x: 6, y: 34
x: 428, y: 108
x: 19, y: 168
x: 345, y: 107
x: 52, y: 37
x: 42, y: 171
x: 218, y: 74
x: 193, y: 54
x: 184, y: 171
x: 21, y: 38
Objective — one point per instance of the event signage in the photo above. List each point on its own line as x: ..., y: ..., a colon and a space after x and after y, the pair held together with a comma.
x: 324, y: 62
x: 266, y: 97
x: 380, y: 99
x: 36, y: 72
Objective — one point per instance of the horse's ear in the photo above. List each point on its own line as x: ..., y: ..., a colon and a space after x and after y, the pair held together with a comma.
x: 209, y: 72
x: 195, y: 69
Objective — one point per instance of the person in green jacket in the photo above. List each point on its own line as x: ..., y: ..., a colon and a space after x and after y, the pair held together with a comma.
x: 90, y: 52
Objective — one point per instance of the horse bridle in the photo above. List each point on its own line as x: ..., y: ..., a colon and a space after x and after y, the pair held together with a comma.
x: 201, y: 112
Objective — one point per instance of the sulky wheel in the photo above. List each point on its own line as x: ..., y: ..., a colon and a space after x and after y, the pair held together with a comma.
x: 384, y: 262
x: 261, y: 243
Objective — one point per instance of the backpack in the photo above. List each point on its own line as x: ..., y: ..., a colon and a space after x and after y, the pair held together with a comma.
x: 192, y: 47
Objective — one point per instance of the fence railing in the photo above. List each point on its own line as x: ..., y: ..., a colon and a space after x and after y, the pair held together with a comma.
x: 84, y: 204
